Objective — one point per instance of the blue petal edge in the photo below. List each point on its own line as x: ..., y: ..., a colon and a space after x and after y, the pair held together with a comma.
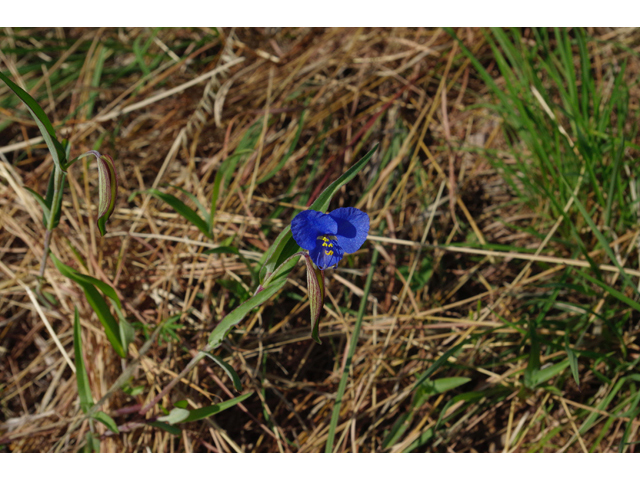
x: 353, y: 227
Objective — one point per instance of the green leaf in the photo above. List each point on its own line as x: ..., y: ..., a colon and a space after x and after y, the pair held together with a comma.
x: 46, y: 129
x: 228, y: 369
x: 127, y: 332
x: 546, y: 374
x: 82, y: 379
x: 603, y: 241
x: 107, y: 421
x: 175, y: 415
x: 436, y: 387
x: 195, y: 200
x: 234, y: 317
x: 573, y: 360
x: 93, y: 443
x: 437, y: 364
x: 179, y: 206
x: 96, y: 302
x: 285, y: 246
x: 167, y: 428
x: 46, y: 211
x: 181, y: 404
x: 82, y: 279
x: 55, y: 208
x: 205, y: 412
x: 399, y: 427
x: 611, y: 291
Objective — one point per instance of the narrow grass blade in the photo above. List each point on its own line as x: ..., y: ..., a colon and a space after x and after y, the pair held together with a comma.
x: 546, y: 374
x: 195, y: 200
x: 603, y: 241
x: 573, y: 360
x: 179, y: 206
x: 228, y: 369
x: 54, y: 209
x: 46, y: 212
x: 82, y: 379
x: 610, y: 290
x: 96, y: 302
x: 82, y: 279
x: 437, y: 364
x: 92, y: 443
x: 436, y: 387
x: 205, y: 412
x: 46, y: 129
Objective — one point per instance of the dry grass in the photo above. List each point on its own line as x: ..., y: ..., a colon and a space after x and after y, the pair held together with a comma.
x: 176, y: 124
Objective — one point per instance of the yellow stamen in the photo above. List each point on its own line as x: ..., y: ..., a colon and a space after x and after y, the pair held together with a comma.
x: 330, y: 252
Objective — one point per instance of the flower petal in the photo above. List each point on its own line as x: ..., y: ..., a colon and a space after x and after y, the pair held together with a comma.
x: 308, y: 225
x: 353, y: 227
x: 326, y: 256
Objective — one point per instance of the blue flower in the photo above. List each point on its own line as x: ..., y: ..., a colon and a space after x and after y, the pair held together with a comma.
x: 328, y: 236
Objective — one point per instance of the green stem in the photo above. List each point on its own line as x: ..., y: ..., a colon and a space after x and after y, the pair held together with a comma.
x: 335, y: 416
x: 57, y: 192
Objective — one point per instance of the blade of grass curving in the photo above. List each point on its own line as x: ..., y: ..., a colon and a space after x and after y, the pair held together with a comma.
x: 97, y: 303
x: 228, y: 369
x: 179, y: 206
x: 46, y: 212
x: 335, y: 415
x: 205, y: 412
x: 195, y: 200
x: 573, y: 360
x: 82, y: 379
x: 44, y: 125
x: 610, y: 290
x: 285, y: 246
x: 613, y: 179
x: 603, y: 241
x: 82, y: 279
